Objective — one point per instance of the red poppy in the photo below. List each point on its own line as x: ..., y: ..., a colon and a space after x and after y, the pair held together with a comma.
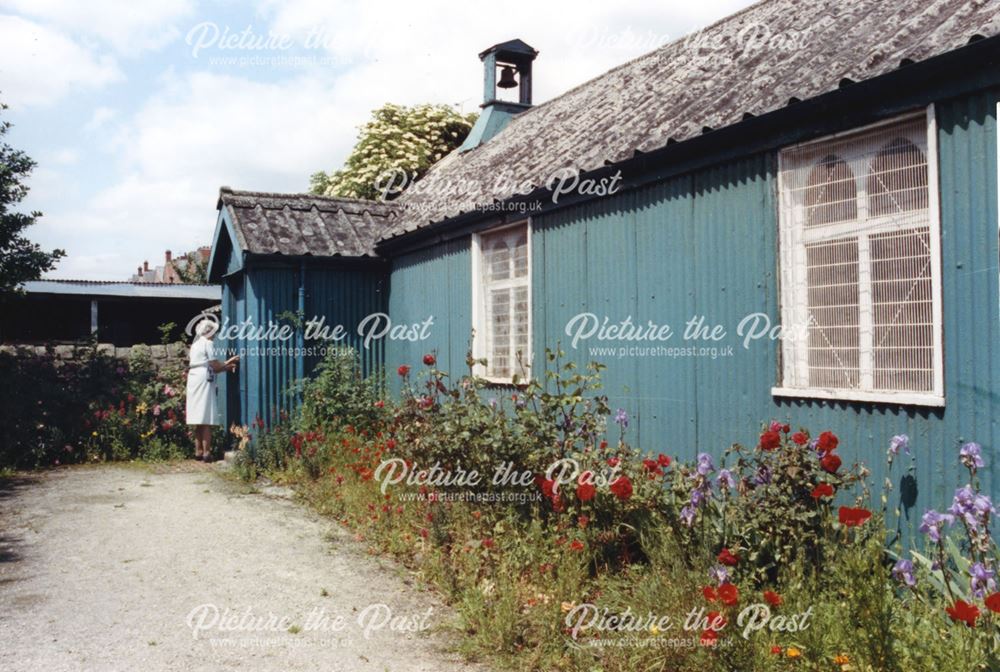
x: 546, y: 485
x: 727, y: 558
x: 800, y: 438
x: 585, y: 492
x: 851, y: 517
x: 827, y: 441
x: 576, y: 545
x: 716, y: 621
x: 992, y: 602
x: 729, y: 594
x: 776, y: 650
x: 709, y: 593
x: 963, y: 611
x: 772, y: 598
x: 709, y: 638
x: 663, y: 460
x: 488, y: 543
x: 770, y: 440
x: 430, y: 360
x: 403, y: 370
x: 622, y: 488
x: 830, y: 463
x: 822, y: 490
x: 583, y: 521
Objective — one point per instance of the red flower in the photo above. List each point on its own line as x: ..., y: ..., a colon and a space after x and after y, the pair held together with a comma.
x: 577, y: 545
x: 403, y: 370
x: 786, y: 428
x: 822, y: 490
x: 827, y: 441
x: 963, y: 611
x: 709, y: 593
x: 424, y: 532
x: 800, y: 438
x: 583, y: 521
x: 772, y: 598
x: 546, y: 485
x: 850, y: 517
x: 650, y: 465
x: 709, y: 638
x: 663, y: 460
x: 727, y: 558
x: 776, y: 650
x: 430, y: 360
x: 729, y: 594
x: 488, y: 543
x: 622, y: 488
x: 992, y: 602
x: 770, y: 440
x: 830, y: 463
x: 585, y: 492
x: 613, y: 461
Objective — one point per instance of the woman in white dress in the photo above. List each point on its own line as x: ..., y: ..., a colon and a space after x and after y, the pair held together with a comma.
x: 202, y: 370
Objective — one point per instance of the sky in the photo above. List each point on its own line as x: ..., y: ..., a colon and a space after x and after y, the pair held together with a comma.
x: 138, y: 111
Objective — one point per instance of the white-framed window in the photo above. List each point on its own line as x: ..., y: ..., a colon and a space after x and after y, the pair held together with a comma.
x: 860, y: 265
x: 501, y: 302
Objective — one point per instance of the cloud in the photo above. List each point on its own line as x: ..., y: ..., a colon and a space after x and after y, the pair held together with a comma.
x: 127, y: 27
x: 39, y: 65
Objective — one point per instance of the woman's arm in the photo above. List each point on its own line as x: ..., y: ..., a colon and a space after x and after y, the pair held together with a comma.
x: 228, y: 365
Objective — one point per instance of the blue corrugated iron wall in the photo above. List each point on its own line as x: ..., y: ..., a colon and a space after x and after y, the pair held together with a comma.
x: 269, y: 368
x: 432, y: 283
x: 705, y: 244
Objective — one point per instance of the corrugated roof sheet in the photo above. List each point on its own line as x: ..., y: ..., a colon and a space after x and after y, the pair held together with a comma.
x: 710, y: 79
x: 305, y: 224
x: 160, y: 290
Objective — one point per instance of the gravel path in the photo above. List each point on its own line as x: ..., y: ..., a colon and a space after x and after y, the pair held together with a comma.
x: 102, y: 567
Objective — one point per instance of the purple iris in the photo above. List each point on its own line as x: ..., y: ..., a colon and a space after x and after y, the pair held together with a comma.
x: 687, y: 515
x: 971, y: 506
x: 621, y: 417
x: 762, y: 477
x: 705, y: 465
x: 903, y: 571
x: 971, y: 455
x: 720, y: 574
x: 899, y: 442
x: 932, y: 522
x: 725, y: 480
x: 982, y: 580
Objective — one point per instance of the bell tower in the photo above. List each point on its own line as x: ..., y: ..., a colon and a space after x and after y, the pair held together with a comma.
x: 506, y: 66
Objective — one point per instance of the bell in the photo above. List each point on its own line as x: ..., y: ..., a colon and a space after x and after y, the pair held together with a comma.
x: 507, y: 80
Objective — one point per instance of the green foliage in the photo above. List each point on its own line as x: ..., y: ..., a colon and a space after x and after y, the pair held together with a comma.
x: 20, y: 259
x: 193, y: 270
x: 395, y: 148
x: 89, y: 406
x: 666, y: 545
x: 338, y: 394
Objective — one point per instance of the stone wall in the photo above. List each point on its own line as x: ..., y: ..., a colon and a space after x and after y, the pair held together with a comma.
x: 160, y: 355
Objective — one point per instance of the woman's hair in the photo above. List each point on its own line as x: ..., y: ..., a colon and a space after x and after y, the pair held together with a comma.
x: 206, y: 328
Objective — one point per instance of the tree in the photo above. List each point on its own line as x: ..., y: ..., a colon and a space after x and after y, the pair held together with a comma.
x: 394, y: 149
x: 20, y: 259
x: 194, y: 270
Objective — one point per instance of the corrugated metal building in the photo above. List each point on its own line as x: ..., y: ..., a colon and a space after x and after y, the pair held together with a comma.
x: 282, y: 259
x: 831, y: 167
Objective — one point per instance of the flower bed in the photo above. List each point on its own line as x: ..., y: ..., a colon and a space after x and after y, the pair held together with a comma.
x: 575, y: 551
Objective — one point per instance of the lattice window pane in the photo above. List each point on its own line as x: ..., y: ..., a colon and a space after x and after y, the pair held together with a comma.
x: 857, y: 264
x: 505, y: 290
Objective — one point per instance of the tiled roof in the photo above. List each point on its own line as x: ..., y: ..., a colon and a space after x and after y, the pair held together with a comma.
x: 707, y: 80
x: 305, y: 224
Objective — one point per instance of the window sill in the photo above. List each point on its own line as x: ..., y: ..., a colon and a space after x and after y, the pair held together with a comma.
x: 898, y: 398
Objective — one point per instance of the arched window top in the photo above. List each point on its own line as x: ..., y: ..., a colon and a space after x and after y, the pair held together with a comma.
x: 897, y: 179
x: 831, y: 193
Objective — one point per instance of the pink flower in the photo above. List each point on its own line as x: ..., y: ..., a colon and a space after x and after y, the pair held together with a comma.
x: 156, y: 410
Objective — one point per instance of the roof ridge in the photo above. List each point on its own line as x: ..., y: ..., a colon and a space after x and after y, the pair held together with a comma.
x: 300, y: 194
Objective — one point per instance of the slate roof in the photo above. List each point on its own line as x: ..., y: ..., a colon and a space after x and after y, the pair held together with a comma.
x: 708, y: 79
x: 305, y: 224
